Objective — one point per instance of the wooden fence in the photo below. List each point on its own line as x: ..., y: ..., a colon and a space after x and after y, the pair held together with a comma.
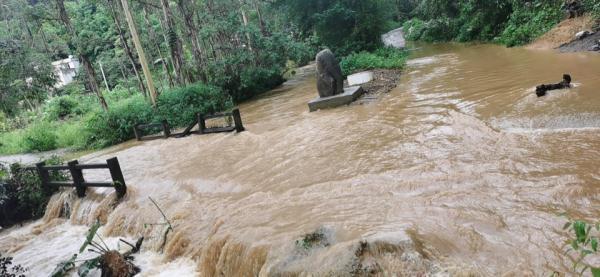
x: 200, y: 120
x: 77, y: 180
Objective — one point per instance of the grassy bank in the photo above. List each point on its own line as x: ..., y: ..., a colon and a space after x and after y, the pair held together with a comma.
x: 76, y: 121
x: 508, y: 22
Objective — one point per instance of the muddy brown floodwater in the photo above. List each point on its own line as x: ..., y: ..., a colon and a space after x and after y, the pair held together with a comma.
x: 460, y: 169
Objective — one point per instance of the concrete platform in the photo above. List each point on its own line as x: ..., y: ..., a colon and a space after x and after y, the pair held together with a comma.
x: 350, y: 94
x: 360, y: 78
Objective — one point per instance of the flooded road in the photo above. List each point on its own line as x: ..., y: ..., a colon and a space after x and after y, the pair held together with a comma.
x: 460, y: 169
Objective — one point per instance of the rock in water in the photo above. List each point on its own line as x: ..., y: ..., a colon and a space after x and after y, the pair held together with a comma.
x: 330, y: 80
x: 582, y: 35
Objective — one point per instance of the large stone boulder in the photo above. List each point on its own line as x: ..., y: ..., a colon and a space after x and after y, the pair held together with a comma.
x: 330, y: 80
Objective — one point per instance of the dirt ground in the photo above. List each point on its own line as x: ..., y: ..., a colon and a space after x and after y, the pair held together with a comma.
x: 563, y: 33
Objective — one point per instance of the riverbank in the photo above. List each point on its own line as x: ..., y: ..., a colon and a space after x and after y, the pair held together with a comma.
x: 562, y: 36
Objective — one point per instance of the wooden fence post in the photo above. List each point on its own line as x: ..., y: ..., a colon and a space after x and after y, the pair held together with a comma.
x: 44, y: 176
x: 237, y: 119
x: 166, y: 129
x: 77, y: 175
x: 136, y: 131
x: 201, y: 123
x: 117, y: 176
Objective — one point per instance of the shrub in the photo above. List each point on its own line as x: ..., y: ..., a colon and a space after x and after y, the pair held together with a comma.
x: 179, y: 106
x: 72, y: 135
x: 60, y: 107
x: 116, y: 125
x: 22, y: 196
x: 257, y: 80
x: 40, y: 137
x: 4, y: 125
x: 528, y: 22
x: 383, y: 58
x: 413, y: 29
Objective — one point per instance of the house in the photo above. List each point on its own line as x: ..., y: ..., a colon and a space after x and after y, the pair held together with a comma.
x: 65, y: 71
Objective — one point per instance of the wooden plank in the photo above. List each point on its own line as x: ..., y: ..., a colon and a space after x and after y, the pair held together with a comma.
x: 201, y: 123
x: 56, y: 167
x: 237, y: 119
x: 151, y: 138
x: 117, y: 176
x: 219, y: 130
x: 187, y: 130
x: 217, y: 115
x: 77, y: 176
x: 91, y: 166
x: 166, y: 129
x: 61, y: 184
x: 44, y: 176
x: 98, y: 184
x: 148, y: 126
x: 136, y: 132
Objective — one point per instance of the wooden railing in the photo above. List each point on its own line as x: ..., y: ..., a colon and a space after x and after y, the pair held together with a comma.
x: 200, y: 120
x: 77, y: 179
x: 139, y: 128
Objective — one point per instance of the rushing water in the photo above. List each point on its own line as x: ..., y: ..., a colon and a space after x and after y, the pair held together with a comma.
x: 461, y: 164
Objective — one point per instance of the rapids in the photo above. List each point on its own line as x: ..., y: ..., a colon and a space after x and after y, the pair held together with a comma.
x: 459, y: 170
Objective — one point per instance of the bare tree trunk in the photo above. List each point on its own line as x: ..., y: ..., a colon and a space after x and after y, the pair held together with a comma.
x: 261, y: 22
x: 245, y: 20
x: 155, y: 40
x: 124, y: 76
x: 91, y: 75
x: 127, y: 49
x: 87, y: 65
x: 140, y: 50
x: 174, y: 43
x: 192, y: 32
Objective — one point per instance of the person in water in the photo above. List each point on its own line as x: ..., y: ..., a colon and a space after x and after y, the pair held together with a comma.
x: 565, y: 83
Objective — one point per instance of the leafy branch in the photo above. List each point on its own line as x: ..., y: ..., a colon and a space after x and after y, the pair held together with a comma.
x: 585, y: 243
x: 166, y: 223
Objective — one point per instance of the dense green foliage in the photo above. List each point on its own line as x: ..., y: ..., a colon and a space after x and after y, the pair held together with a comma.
x: 384, y: 58
x: 21, y: 194
x: 510, y: 22
x: 344, y: 26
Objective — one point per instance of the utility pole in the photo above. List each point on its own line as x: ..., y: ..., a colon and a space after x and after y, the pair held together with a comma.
x: 140, y: 51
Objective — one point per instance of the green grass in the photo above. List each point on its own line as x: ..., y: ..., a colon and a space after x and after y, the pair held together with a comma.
x: 383, y: 58
x: 12, y: 142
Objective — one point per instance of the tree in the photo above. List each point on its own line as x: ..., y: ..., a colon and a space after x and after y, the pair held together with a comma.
x: 85, y: 61
x: 140, y: 51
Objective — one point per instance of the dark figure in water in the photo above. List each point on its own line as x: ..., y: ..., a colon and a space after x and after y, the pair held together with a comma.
x: 565, y: 83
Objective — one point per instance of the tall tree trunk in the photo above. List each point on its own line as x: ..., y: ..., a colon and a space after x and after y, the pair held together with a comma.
x: 245, y: 21
x: 174, y: 43
x: 192, y: 31
x: 157, y: 45
x: 261, y: 22
x: 91, y: 74
x: 87, y: 65
x: 121, y: 66
x: 126, y: 47
x: 140, y: 51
